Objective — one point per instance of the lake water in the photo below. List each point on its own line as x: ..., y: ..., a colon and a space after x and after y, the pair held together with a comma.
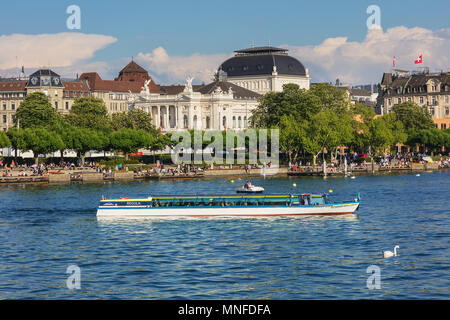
x: 46, y: 228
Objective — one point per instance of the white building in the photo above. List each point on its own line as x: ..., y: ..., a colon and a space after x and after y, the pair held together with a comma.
x: 219, y: 105
x: 265, y: 69
x: 227, y: 102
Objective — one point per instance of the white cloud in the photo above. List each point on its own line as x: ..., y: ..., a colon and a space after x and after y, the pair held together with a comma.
x: 175, y: 69
x: 351, y: 61
x: 57, y: 50
x: 364, y: 62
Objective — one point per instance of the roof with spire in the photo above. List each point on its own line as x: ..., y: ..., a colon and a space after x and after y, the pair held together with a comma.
x: 132, y: 67
x: 131, y: 78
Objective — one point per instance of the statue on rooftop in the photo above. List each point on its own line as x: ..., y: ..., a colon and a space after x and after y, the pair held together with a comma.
x: 145, y: 88
x: 188, y: 87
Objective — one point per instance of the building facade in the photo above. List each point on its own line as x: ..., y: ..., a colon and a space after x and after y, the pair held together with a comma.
x: 219, y: 105
x: 225, y: 103
x: 264, y: 69
x: 114, y: 93
x: 61, y: 93
x: 431, y: 91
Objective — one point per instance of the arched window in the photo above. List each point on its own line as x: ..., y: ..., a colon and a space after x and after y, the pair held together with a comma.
x: 208, y: 120
x: 239, y: 122
x: 224, y: 122
x: 185, y: 121
x: 234, y: 122
x: 245, y: 122
x: 195, y: 125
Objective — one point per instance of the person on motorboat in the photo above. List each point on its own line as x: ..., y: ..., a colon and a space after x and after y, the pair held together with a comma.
x: 247, y: 185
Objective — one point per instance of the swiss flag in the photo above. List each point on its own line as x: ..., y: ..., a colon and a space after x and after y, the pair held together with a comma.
x: 418, y: 60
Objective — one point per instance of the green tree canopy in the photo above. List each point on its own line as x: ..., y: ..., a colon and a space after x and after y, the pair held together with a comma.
x: 327, y: 129
x: 89, y: 113
x: 4, y: 140
x: 133, y: 119
x: 433, y: 139
x: 331, y: 97
x: 36, y: 111
x: 17, y: 139
x: 83, y: 140
x: 413, y: 116
x: 292, y: 134
x: 299, y: 103
x: 129, y: 140
x: 42, y: 141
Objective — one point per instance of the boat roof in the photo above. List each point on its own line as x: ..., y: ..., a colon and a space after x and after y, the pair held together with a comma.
x: 206, y: 196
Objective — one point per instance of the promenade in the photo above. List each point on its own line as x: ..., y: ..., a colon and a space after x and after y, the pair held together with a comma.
x: 98, y: 174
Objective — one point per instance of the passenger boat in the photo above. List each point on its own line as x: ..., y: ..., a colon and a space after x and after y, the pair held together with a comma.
x: 227, y: 206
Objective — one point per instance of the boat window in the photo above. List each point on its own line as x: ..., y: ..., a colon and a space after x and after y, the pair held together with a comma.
x: 317, y: 200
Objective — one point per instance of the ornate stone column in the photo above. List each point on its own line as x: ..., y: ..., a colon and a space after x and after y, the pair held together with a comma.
x: 158, y: 117
x: 166, y: 118
x: 190, y: 117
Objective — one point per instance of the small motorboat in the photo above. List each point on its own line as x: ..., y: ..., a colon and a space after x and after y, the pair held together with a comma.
x: 251, y: 189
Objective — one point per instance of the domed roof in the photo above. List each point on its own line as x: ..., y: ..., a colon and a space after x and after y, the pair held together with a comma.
x: 261, y: 61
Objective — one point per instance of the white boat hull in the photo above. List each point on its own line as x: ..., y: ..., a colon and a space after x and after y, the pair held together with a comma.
x: 337, y: 209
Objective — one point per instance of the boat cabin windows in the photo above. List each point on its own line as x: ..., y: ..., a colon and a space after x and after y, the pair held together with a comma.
x: 317, y: 200
x: 307, y: 199
x: 223, y: 202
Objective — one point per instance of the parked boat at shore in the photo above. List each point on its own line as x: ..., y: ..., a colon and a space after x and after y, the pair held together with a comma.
x: 227, y: 206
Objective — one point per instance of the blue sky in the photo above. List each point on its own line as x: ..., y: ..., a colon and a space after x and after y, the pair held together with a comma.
x: 185, y: 28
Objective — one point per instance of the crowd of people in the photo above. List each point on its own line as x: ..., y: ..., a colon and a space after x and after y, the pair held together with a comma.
x: 354, y: 162
x: 385, y: 161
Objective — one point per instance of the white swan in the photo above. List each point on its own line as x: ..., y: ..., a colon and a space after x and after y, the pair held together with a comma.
x: 388, y: 254
x: 418, y: 175
x: 352, y: 177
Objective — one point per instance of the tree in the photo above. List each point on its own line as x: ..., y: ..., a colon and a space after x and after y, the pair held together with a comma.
x: 129, y: 140
x: 83, y: 140
x: 292, y: 134
x: 4, y: 140
x: 413, y: 116
x: 89, y: 113
x: 326, y: 130
x: 133, y: 119
x: 17, y: 139
x: 35, y: 111
x: 432, y: 139
x: 362, y: 116
x: 41, y: 141
x: 396, y: 127
x: 299, y: 103
x: 331, y: 97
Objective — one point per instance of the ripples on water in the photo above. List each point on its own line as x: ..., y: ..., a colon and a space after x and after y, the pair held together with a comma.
x: 46, y: 228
